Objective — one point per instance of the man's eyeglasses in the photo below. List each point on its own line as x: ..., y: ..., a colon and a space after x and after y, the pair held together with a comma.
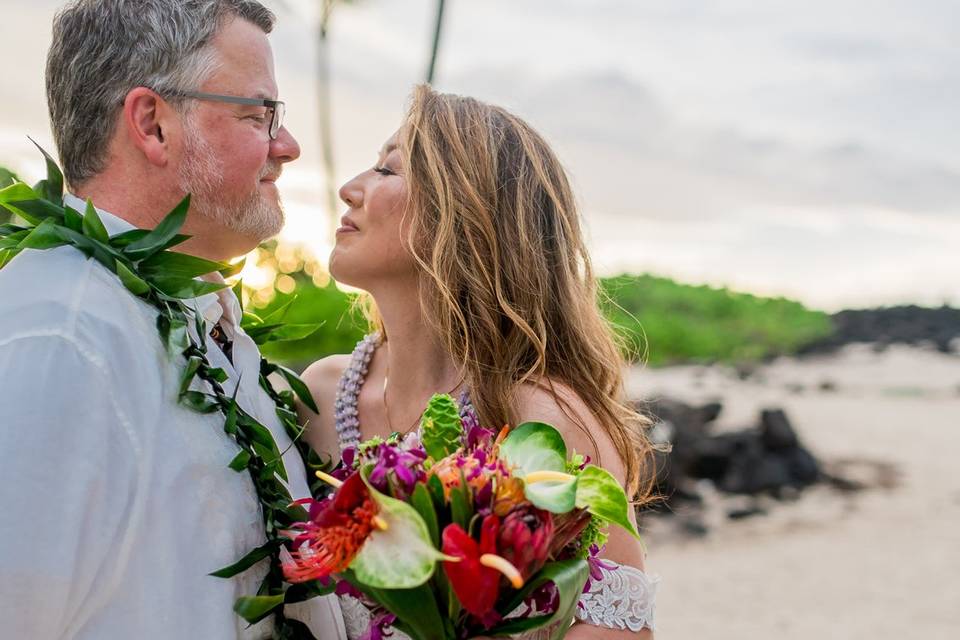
x: 276, y: 107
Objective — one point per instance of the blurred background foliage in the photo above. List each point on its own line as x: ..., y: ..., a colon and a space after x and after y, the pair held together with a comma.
x: 661, y: 321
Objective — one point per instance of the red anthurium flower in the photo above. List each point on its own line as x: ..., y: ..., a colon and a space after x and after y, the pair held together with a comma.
x: 476, y: 577
x: 336, y: 532
x: 524, y: 538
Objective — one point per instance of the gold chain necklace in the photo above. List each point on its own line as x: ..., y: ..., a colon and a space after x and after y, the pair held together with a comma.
x: 386, y: 409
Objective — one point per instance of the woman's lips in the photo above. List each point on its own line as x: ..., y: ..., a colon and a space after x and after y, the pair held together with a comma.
x: 346, y: 226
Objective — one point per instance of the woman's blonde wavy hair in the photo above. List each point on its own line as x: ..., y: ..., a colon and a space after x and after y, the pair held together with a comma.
x: 506, y: 280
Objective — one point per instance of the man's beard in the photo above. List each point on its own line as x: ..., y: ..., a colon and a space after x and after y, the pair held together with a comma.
x: 201, y: 175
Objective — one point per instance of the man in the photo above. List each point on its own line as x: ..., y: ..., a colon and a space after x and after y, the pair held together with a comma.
x: 117, y: 501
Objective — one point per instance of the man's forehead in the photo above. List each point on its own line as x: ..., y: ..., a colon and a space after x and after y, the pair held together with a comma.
x: 244, y: 61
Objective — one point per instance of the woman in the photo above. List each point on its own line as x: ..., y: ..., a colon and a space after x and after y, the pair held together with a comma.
x: 466, y: 236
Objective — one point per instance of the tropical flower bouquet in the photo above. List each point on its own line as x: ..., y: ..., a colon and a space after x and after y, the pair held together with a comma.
x: 457, y: 531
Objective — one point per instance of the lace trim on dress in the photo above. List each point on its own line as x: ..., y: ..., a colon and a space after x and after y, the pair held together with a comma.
x: 622, y: 599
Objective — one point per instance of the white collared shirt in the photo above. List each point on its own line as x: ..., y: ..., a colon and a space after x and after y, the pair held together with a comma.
x: 116, y: 501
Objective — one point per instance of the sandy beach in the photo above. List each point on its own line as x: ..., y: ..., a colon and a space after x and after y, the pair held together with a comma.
x: 880, y: 563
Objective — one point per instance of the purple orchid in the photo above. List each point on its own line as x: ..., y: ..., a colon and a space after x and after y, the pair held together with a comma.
x: 406, y: 466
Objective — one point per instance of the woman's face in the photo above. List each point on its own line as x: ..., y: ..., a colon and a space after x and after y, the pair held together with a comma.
x: 369, y: 245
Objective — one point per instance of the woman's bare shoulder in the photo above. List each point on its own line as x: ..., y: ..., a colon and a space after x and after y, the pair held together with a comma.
x: 322, y: 378
x: 557, y: 404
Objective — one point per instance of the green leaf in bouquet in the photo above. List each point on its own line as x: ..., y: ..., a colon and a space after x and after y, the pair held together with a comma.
x: 569, y: 576
x: 416, y: 609
x: 93, y: 226
x: 253, y: 609
x: 158, y: 238
x: 421, y: 501
x: 553, y: 496
x: 441, y: 428
x: 534, y: 446
x: 599, y: 493
x: 461, y: 504
x: 400, y: 557
x: 303, y: 591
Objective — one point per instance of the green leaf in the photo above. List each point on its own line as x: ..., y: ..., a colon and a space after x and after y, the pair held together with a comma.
x: 599, y: 493
x: 421, y: 501
x: 93, y: 226
x: 173, y: 332
x: 247, y: 561
x: 131, y: 281
x: 380, y: 565
x: 534, y: 446
x: 440, y: 427
x: 229, y: 270
x: 35, y: 211
x: 240, y: 461
x: 262, y: 334
x: 255, y: 608
x: 569, y: 576
x: 18, y: 192
x: 416, y: 609
x: 299, y: 387
x: 164, y: 232
x: 278, y: 314
x: 189, y: 373
x: 461, y: 507
x: 44, y: 236
x: 183, y: 288
x: 53, y: 185
x: 173, y: 264
x: 73, y: 219
x: 555, y: 497
x: 238, y: 291
x: 199, y: 402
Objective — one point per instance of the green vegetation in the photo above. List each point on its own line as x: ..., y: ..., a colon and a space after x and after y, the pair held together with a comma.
x: 660, y: 320
x: 675, y: 322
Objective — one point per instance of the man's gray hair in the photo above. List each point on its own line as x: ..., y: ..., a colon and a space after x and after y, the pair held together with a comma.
x: 104, y: 48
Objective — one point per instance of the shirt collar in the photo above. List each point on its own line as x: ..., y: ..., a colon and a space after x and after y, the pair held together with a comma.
x: 212, y: 306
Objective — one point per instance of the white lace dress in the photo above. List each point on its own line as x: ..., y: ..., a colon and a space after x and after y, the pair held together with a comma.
x: 623, y: 598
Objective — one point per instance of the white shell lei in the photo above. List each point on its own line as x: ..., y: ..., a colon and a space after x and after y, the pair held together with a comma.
x: 622, y: 599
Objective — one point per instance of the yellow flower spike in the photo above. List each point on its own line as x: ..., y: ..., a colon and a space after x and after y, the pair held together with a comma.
x: 329, y: 479
x: 447, y: 558
x: 504, y: 566
x: 547, y: 476
x: 380, y: 523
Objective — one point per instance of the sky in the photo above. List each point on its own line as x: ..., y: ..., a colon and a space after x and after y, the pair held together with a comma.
x: 806, y: 149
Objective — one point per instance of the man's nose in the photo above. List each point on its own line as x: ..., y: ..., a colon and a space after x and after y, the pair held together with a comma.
x: 284, y: 148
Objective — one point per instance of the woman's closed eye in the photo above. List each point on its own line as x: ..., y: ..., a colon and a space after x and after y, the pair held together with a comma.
x: 384, y: 171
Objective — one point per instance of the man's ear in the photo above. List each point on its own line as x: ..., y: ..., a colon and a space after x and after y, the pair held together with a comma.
x: 149, y: 121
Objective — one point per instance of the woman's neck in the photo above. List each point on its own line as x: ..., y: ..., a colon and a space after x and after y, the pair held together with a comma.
x: 416, y: 362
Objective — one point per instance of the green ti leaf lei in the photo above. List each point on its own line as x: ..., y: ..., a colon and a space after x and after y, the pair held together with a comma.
x: 143, y: 262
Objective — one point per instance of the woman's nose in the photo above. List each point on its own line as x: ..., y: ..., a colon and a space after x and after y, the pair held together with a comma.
x: 352, y: 193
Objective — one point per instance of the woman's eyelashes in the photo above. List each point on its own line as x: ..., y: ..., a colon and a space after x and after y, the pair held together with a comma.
x: 384, y: 171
